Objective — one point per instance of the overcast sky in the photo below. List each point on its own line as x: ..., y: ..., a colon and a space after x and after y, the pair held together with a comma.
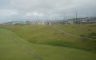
x: 45, y: 9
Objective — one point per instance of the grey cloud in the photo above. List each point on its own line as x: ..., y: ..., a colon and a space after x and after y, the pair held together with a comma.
x: 49, y: 8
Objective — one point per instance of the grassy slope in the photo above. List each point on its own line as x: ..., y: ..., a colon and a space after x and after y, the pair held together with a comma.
x: 63, y: 53
x: 51, y: 35
x: 13, y: 47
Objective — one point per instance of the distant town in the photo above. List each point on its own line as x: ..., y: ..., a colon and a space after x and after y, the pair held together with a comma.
x: 85, y: 20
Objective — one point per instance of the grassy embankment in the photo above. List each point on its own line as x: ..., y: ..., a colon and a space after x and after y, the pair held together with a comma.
x: 50, y: 43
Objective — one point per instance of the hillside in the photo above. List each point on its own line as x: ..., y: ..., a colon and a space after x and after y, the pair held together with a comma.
x: 13, y: 47
x: 74, y: 36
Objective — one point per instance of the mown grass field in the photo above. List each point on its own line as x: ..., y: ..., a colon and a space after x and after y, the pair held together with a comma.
x: 43, y: 42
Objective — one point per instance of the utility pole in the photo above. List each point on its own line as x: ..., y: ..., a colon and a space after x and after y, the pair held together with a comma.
x: 76, y: 16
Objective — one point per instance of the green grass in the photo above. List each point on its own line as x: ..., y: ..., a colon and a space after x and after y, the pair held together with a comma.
x: 26, y: 42
x: 63, y: 53
x: 13, y: 47
x: 53, y: 35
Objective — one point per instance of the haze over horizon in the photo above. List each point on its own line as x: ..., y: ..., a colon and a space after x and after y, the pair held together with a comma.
x: 12, y: 10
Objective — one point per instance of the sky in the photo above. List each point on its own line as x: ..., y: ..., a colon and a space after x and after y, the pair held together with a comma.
x: 12, y: 10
